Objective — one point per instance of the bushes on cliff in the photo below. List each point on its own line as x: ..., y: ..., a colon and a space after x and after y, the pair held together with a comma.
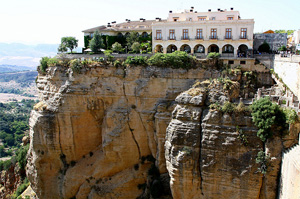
x: 178, y: 59
x: 138, y: 60
x: 265, y: 115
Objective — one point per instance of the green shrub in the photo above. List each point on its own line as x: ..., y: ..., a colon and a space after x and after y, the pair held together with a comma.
x: 21, y: 156
x: 138, y: 60
x: 215, y: 106
x: 136, y: 47
x: 264, y: 115
x: 228, y: 107
x: 21, y: 189
x: 44, y: 64
x: 52, y: 62
x: 290, y: 115
x: 117, y: 63
x: 177, y: 59
x: 262, y: 160
x: 75, y: 65
x: 213, y: 55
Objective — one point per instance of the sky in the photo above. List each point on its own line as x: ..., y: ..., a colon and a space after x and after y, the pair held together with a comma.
x: 46, y: 21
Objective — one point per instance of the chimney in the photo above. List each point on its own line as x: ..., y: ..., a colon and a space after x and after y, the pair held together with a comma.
x: 108, y: 25
x: 170, y: 11
x: 191, y: 10
x: 158, y: 19
x: 192, y: 7
x: 231, y: 8
x: 209, y: 10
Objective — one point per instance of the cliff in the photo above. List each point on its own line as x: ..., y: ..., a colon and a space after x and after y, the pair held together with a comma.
x: 109, y: 132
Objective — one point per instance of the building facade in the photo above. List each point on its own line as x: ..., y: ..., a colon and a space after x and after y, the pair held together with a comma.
x: 203, y: 32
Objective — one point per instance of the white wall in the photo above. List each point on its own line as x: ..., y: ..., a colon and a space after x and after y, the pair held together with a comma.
x: 289, y: 70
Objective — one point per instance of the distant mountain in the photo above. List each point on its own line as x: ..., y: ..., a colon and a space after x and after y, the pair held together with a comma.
x: 14, y: 68
x: 25, y: 55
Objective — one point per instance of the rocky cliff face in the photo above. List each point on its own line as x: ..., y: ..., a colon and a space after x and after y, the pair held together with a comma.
x: 212, y: 154
x: 91, y: 132
x: 102, y: 134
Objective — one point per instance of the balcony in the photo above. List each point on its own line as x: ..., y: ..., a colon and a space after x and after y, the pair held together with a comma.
x: 172, y: 38
x: 157, y: 38
x: 244, y: 37
x: 228, y: 38
x: 185, y: 38
x: 213, y: 37
x: 199, y: 38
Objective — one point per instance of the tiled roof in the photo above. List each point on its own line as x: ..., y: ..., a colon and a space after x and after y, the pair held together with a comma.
x: 125, y: 26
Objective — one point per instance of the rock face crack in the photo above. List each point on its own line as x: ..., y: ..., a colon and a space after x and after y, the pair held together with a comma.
x: 128, y: 123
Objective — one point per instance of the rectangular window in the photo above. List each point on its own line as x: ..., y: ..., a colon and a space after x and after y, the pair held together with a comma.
x: 242, y: 62
x: 172, y: 34
x: 158, y: 35
x: 185, y: 34
x: 199, y: 34
x: 229, y: 18
x: 201, y: 18
x: 213, y: 18
x: 244, y: 33
x: 228, y: 33
x: 231, y: 62
x: 213, y: 33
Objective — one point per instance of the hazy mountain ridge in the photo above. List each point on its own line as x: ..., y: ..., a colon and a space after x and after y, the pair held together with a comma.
x: 14, y: 68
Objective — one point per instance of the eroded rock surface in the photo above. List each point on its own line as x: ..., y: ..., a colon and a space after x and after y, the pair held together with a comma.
x: 91, y: 130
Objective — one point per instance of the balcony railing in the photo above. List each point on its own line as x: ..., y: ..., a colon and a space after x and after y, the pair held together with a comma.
x: 243, y: 37
x: 199, y: 37
x: 172, y: 38
x: 213, y: 37
x: 228, y: 37
x: 157, y: 38
x: 185, y: 38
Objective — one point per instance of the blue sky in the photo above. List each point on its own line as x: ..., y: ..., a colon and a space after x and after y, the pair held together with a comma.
x: 46, y: 21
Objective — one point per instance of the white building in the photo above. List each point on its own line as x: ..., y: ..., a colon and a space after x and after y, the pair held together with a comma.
x: 204, y: 32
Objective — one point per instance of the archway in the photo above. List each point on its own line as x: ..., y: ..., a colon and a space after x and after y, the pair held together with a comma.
x: 119, y: 35
x: 171, y: 48
x: 242, y: 50
x: 213, y: 48
x: 227, y: 48
x: 186, y: 48
x: 158, y: 49
x: 199, y: 49
x: 127, y: 34
x: 144, y: 35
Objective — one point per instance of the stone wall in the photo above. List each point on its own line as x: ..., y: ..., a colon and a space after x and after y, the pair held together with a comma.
x: 288, y: 68
x: 290, y: 174
x: 275, y: 40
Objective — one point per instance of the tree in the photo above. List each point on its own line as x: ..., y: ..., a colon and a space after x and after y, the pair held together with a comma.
x: 68, y: 42
x: 117, y: 47
x: 265, y: 47
x: 132, y: 38
x: 135, y: 47
x: 96, y: 42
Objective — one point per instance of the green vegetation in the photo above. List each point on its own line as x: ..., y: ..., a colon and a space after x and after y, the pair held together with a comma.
x: 137, y: 61
x: 242, y: 136
x: 68, y: 43
x: 135, y: 47
x: 262, y: 160
x: 282, y: 48
x: 228, y: 107
x: 117, y: 47
x: 96, y: 42
x: 44, y: 64
x: 21, y: 189
x: 213, y: 55
x: 14, y: 118
x: 177, y: 59
x: 132, y: 38
x: 265, y: 115
x: 289, y: 32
